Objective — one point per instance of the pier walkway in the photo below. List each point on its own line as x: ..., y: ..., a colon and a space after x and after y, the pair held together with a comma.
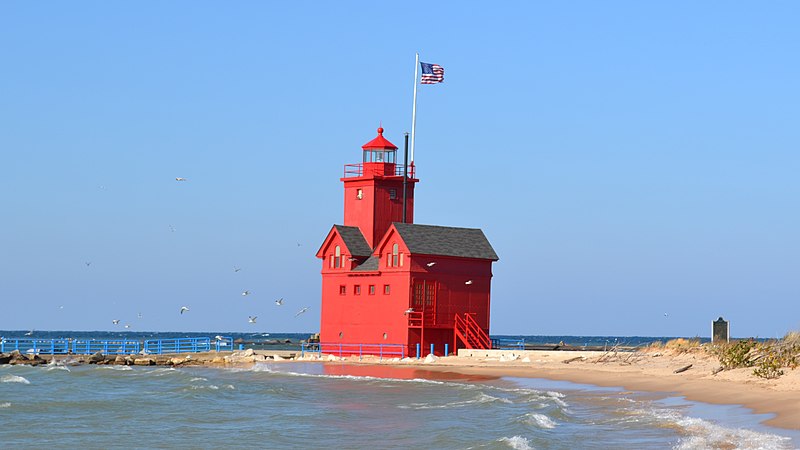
x: 69, y: 346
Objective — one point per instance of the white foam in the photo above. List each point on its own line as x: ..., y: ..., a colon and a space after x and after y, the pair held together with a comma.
x: 14, y: 379
x: 116, y: 367
x: 479, y: 399
x: 199, y: 379
x: 5, y: 405
x: 212, y: 387
x: 704, y: 434
x: 516, y: 442
x: 699, y: 433
x: 540, y: 420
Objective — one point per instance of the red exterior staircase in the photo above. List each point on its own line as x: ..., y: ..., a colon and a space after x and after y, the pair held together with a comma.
x: 468, y: 331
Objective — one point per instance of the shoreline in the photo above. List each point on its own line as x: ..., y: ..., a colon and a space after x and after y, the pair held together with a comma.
x: 778, y: 397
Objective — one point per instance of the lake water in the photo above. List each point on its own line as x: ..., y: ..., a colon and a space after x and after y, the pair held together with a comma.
x: 310, y: 405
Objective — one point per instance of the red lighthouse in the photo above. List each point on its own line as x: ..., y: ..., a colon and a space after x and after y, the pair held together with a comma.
x: 385, y: 281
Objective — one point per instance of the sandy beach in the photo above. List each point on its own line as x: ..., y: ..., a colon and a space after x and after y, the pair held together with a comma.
x: 648, y: 371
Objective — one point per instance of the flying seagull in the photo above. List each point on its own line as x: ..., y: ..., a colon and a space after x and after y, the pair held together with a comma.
x: 88, y: 263
x: 29, y: 333
x: 219, y: 338
x: 236, y: 269
x: 171, y: 228
x: 246, y: 293
x: 180, y: 179
x: 431, y: 264
x: 115, y: 321
x: 127, y: 326
x: 252, y: 319
x: 301, y: 311
x: 184, y: 309
x: 139, y: 315
x: 468, y: 282
x: 279, y: 301
x: 408, y: 311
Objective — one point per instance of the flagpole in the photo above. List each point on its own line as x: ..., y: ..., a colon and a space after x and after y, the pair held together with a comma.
x: 414, y: 110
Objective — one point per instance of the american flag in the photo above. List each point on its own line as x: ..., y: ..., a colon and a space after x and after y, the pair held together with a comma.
x: 431, y: 73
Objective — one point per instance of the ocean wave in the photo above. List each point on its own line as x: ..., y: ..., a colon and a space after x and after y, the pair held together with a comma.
x: 701, y: 433
x: 705, y: 434
x: 56, y: 365
x: 516, y: 442
x: 199, y: 379
x: 212, y: 387
x: 5, y: 405
x: 539, y: 420
x: 14, y: 379
x: 115, y: 368
x: 266, y: 368
x: 481, y: 398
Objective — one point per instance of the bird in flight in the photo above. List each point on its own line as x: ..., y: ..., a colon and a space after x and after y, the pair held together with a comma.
x: 139, y: 315
x: 252, y: 319
x: 301, y: 311
x: 236, y: 269
x: 127, y: 326
x: 468, y: 282
x: 115, y: 321
x: 279, y: 301
x: 29, y: 333
x: 245, y: 293
x: 219, y: 338
x: 184, y: 309
x: 180, y: 179
x: 88, y: 263
x: 171, y: 229
x: 408, y: 311
x: 431, y: 264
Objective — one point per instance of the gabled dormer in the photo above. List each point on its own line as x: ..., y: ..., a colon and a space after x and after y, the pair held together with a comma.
x: 391, y: 252
x: 343, y: 249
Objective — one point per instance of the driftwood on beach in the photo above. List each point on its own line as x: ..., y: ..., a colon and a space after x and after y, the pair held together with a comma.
x: 683, y: 369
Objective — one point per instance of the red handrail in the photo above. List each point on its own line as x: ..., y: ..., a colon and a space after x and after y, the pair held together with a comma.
x: 470, y: 332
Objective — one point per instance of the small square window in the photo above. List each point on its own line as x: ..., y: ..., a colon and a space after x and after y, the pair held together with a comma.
x: 342, y: 289
x: 357, y: 289
x: 386, y: 289
x: 371, y: 289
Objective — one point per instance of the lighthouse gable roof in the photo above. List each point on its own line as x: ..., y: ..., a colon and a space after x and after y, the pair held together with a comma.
x: 445, y: 241
x: 354, y: 240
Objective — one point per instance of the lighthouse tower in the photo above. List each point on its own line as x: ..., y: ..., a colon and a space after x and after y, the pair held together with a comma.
x: 373, y: 190
x: 390, y: 283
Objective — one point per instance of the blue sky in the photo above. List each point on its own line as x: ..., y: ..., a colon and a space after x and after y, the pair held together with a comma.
x: 635, y: 165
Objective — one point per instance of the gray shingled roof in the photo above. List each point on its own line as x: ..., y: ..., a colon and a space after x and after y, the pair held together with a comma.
x: 354, y: 240
x: 446, y: 241
x: 371, y: 264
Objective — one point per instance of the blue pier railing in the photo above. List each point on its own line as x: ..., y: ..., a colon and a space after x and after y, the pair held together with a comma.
x: 46, y: 346
x: 188, y: 345
x: 107, y: 347
x: 66, y: 346
x: 339, y: 349
x: 508, y: 344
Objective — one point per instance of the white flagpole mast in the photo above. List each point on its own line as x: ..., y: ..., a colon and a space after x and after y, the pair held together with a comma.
x: 414, y: 110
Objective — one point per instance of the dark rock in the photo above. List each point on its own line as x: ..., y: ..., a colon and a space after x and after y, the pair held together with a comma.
x: 4, y: 358
x: 96, y: 358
